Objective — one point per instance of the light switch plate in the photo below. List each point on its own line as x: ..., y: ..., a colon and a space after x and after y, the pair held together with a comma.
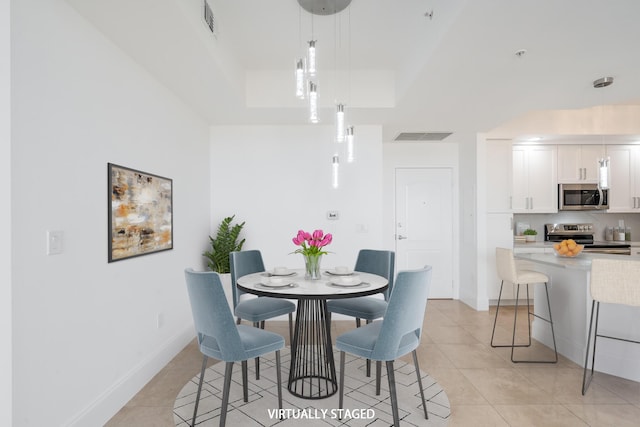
x: 54, y: 242
x: 333, y: 215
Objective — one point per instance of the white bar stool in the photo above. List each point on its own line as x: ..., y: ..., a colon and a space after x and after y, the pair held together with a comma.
x: 613, y: 281
x: 508, y: 272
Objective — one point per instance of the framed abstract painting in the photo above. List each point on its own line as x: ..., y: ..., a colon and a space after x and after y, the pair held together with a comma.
x: 140, y: 213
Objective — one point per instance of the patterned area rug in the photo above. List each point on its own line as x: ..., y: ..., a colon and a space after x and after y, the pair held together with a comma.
x: 361, y: 406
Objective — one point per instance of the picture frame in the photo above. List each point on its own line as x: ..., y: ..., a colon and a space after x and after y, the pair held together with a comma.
x: 140, y: 211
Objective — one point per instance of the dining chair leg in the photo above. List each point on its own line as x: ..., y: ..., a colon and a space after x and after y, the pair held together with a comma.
x: 257, y: 359
x: 392, y: 393
x: 245, y: 387
x: 195, y: 410
x: 368, y: 362
x: 279, y: 379
x: 290, y: 328
x: 585, y: 382
x: 378, y: 375
x: 357, y: 322
x: 341, y: 397
x: 415, y: 363
x: 225, y: 393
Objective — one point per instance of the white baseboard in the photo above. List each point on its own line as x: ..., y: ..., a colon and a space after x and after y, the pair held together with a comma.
x: 107, y: 404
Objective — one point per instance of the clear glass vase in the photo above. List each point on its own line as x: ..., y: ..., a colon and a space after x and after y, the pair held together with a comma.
x: 312, y: 266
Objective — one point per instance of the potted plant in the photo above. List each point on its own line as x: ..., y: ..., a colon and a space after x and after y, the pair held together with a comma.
x: 225, y: 242
x: 530, y: 235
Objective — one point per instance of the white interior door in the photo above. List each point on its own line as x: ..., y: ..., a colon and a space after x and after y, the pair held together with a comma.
x: 424, y: 225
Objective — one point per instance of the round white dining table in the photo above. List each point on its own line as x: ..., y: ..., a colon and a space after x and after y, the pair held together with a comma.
x: 312, y: 373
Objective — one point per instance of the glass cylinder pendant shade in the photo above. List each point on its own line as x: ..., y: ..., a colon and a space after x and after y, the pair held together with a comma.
x: 340, y: 123
x: 603, y: 173
x: 335, y: 165
x: 350, y: 144
x: 313, y: 102
x: 311, y: 58
x: 300, y: 89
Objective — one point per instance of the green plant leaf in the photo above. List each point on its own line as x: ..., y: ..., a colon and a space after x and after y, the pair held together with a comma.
x: 225, y: 242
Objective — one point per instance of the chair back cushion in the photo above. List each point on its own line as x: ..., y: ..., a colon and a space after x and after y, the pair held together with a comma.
x: 242, y: 263
x: 506, y: 265
x: 377, y: 262
x: 211, y: 314
x: 405, y: 313
x: 615, y: 281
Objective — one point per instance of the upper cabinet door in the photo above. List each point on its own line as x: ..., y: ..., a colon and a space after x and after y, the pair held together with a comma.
x: 578, y: 163
x: 624, y: 192
x: 535, y: 188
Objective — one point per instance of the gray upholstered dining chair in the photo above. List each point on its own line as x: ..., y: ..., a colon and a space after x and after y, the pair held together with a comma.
x: 255, y: 310
x: 397, y: 334
x: 509, y: 272
x: 613, y: 281
x: 219, y: 337
x: 378, y: 262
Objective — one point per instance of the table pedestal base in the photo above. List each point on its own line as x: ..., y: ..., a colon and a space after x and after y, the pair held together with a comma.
x: 312, y: 374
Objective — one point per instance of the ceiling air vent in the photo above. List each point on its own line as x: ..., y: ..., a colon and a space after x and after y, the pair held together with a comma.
x: 422, y: 136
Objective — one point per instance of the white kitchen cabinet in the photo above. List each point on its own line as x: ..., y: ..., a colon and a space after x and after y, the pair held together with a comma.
x: 578, y: 163
x: 624, y: 191
x: 535, y: 188
x: 499, y: 157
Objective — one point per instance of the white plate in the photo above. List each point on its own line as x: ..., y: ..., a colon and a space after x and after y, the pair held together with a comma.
x: 286, y: 273
x: 336, y: 273
x: 346, y: 281
x: 276, y: 284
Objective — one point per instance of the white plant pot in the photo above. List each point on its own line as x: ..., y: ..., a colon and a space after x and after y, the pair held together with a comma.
x: 530, y: 238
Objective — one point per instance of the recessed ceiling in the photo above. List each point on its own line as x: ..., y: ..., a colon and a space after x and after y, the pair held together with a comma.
x: 455, y: 70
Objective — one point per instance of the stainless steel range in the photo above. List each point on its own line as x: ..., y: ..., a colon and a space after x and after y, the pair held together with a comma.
x: 583, y: 234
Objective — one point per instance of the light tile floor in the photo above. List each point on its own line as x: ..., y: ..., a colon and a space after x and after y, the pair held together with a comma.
x: 483, y: 386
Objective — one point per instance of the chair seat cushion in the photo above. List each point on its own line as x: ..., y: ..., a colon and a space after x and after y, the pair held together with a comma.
x: 530, y: 276
x: 361, y: 341
x: 263, y: 308
x: 255, y: 341
x: 367, y: 308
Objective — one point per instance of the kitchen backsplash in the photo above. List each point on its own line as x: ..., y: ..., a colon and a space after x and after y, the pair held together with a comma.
x: 600, y: 221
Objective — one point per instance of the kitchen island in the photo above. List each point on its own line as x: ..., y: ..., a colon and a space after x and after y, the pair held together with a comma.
x: 570, y: 299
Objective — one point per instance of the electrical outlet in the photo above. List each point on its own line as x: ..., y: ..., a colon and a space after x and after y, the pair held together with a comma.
x: 160, y: 320
x: 54, y: 242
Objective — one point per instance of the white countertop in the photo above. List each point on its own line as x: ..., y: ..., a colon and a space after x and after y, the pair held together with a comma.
x: 580, y: 262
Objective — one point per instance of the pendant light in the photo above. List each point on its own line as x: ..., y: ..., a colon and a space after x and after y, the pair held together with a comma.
x: 350, y: 144
x: 311, y: 58
x: 300, y: 79
x: 313, y: 102
x: 603, y: 163
x: 335, y: 166
x: 340, y: 123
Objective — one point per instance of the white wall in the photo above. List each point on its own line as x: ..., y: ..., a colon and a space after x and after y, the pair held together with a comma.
x: 5, y: 216
x: 413, y: 154
x: 85, y: 331
x: 277, y: 179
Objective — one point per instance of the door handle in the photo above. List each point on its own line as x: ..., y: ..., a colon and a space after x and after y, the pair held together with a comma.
x: 401, y: 237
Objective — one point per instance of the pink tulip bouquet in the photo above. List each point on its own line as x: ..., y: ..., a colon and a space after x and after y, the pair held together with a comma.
x: 312, y: 244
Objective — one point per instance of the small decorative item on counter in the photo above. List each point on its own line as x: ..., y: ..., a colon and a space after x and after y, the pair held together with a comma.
x: 619, y: 234
x: 608, y: 234
x: 530, y: 234
x: 567, y: 248
x: 627, y: 234
x: 311, y: 249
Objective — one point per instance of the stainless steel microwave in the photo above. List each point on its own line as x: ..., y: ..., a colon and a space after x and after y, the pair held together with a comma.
x: 582, y: 197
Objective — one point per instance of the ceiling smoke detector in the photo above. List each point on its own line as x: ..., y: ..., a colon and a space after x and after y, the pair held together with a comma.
x: 603, y: 82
